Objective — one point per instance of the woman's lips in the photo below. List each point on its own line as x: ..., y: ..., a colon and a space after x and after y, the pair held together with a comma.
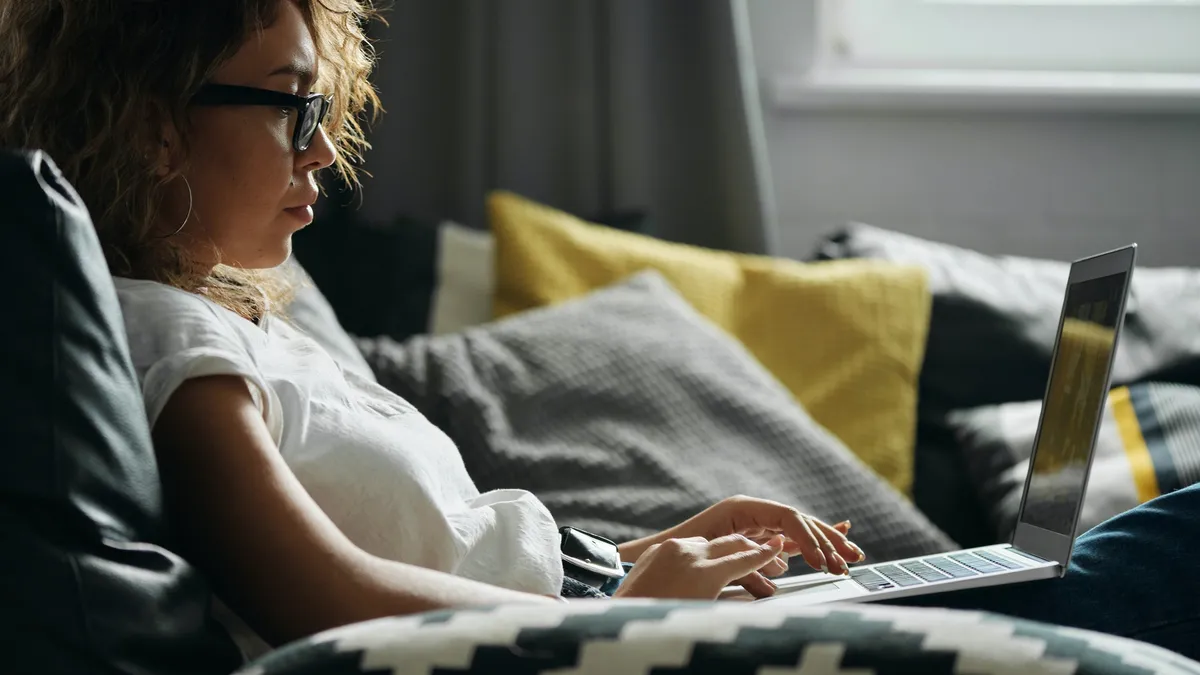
x: 302, y: 213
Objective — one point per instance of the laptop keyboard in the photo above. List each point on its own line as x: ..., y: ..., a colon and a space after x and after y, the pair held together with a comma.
x: 898, y: 576
x: 934, y: 568
x: 1000, y: 560
x: 951, y: 568
x: 977, y: 563
x: 870, y: 579
x: 924, y: 571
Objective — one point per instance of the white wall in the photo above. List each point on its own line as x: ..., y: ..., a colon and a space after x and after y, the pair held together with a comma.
x: 1050, y: 184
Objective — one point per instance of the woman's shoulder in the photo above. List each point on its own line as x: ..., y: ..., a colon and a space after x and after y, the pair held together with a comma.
x: 144, y: 291
x: 161, y: 320
x: 141, y: 295
x: 174, y: 335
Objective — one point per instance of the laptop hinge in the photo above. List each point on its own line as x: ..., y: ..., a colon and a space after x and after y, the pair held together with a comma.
x: 1031, y: 556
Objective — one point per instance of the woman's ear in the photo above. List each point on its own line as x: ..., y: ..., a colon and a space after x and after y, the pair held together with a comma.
x: 164, y: 145
x: 168, y: 153
x: 162, y: 159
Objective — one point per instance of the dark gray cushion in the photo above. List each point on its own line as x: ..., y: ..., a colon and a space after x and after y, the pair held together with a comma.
x: 991, y: 334
x: 942, y: 491
x: 87, y: 581
x: 994, y: 319
x: 379, y: 278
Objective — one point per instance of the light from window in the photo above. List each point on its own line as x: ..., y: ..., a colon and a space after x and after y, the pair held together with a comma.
x: 1113, y: 36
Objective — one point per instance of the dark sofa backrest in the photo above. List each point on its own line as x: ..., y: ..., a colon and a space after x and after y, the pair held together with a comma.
x: 87, y: 584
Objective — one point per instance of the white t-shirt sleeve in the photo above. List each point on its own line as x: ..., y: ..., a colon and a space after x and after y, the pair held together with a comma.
x: 175, y: 336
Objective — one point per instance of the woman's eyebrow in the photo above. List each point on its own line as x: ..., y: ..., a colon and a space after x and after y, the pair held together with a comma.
x: 304, y: 73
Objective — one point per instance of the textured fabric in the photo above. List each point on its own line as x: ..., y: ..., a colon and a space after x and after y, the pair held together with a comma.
x: 627, y: 412
x: 1148, y: 445
x: 1133, y: 575
x: 88, y: 583
x: 845, y: 338
x: 390, y: 480
x: 644, y: 638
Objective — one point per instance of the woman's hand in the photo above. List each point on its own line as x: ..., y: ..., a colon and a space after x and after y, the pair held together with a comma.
x: 823, y: 547
x: 695, y: 568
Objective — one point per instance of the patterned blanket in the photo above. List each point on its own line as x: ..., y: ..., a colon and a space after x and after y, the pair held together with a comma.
x: 629, y: 637
x: 627, y: 412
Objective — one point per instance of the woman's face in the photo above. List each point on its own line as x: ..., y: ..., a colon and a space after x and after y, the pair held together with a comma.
x: 250, y: 189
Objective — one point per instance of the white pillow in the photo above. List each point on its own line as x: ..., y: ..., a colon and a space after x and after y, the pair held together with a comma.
x: 463, y: 294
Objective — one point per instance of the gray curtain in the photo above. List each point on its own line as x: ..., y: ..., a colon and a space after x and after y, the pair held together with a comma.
x: 591, y: 106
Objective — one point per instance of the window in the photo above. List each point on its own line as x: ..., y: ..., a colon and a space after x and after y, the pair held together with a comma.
x: 1112, y: 36
x: 1084, y: 55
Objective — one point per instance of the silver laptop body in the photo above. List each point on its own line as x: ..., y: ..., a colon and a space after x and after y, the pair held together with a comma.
x: 1089, y: 325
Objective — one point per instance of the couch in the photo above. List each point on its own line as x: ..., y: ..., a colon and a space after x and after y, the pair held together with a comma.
x: 986, y: 356
x: 90, y: 583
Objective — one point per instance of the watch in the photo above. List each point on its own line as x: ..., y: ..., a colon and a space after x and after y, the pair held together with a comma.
x: 589, y: 558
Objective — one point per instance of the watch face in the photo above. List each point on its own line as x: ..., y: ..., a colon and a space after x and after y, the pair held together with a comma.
x: 589, y: 549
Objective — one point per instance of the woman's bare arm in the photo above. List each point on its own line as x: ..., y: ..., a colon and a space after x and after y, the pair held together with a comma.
x: 271, y: 553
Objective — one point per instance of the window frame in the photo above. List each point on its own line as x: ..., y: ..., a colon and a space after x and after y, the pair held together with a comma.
x: 829, y: 77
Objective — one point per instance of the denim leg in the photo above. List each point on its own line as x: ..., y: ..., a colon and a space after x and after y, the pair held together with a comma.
x: 1136, y: 575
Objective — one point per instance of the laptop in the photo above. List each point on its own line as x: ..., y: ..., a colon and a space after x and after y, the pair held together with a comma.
x: 1047, y: 522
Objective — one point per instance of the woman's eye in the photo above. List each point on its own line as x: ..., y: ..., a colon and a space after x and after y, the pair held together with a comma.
x: 285, y: 112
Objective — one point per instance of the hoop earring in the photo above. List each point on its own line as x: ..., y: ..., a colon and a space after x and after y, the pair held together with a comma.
x: 189, y: 211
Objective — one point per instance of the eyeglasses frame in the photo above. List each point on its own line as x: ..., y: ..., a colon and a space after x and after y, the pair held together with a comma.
x: 232, y: 94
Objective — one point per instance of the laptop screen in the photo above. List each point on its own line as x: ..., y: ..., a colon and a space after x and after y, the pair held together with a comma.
x: 1078, y: 385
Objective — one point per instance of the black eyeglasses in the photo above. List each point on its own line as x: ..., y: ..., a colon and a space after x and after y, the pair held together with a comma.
x: 311, y: 109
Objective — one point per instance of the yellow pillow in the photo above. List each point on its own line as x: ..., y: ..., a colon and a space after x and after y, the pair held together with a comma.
x: 845, y: 337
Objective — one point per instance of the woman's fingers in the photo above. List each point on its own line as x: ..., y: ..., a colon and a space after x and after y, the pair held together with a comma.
x: 837, y: 564
x: 736, y: 556
x: 780, y: 564
x: 792, y: 548
x: 824, y: 547
x: 757, y: 585
x: 731, y: 544
x: 774, y: 567
x: 846, y: 548
x: 800, y: 530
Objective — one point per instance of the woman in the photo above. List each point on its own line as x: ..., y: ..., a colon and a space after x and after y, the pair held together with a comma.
x: 194, y: 132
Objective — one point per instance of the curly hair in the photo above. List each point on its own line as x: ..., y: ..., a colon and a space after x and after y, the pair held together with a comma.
x: 91, y: 82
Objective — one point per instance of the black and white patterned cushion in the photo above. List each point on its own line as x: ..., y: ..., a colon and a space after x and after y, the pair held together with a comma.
x: 638, y: 637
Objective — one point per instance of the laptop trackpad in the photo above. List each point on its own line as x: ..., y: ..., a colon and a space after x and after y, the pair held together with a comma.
x: 807, y: 592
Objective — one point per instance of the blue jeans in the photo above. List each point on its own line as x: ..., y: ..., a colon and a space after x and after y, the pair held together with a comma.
x: 1136, y: 575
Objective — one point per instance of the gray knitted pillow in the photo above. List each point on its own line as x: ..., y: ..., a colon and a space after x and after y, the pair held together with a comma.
x: 626, y: 412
